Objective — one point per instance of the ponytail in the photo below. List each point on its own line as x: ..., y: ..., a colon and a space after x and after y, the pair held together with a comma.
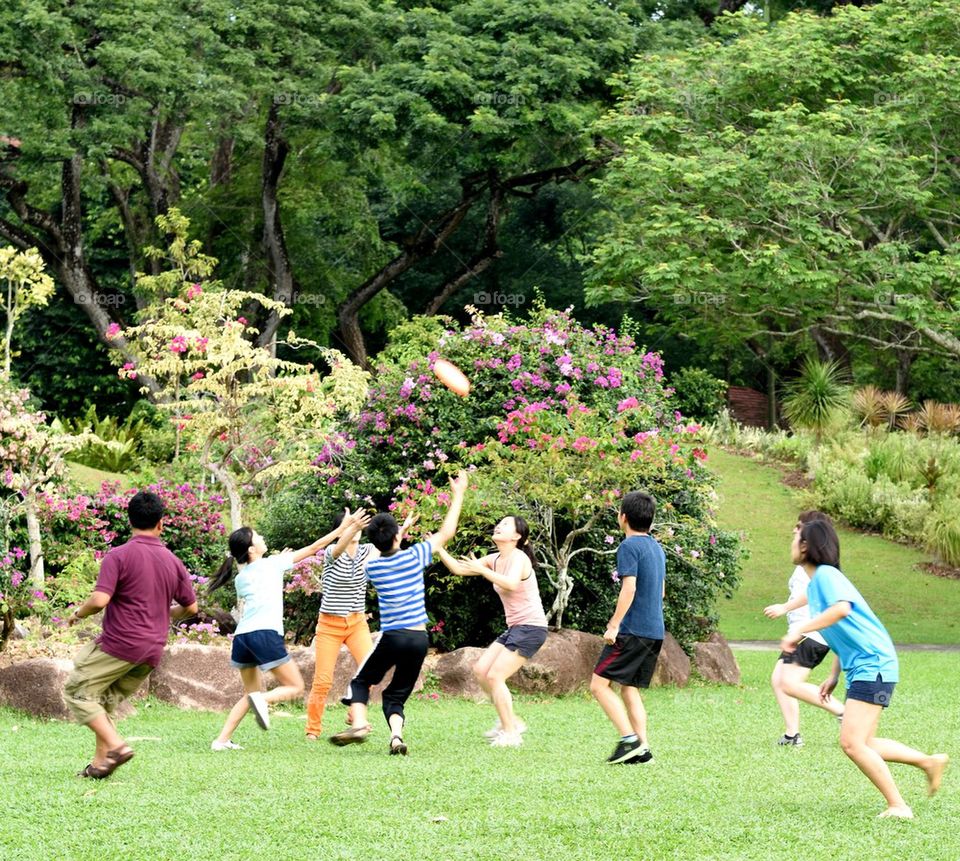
x: 240, y: 542
x: 523, y: 530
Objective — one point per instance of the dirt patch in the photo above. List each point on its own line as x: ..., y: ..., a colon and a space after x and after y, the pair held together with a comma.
x: 795, y: 478
x: 940, y: 570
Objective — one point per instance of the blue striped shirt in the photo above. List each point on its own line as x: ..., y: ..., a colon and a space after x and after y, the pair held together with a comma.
x: 398, y: 580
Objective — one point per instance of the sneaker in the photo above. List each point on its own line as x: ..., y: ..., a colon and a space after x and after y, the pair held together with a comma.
x: 507, y: 739
x: 354, y: 735
x: 258, y: 706
x: 224, y: 745
x: 645, y: 756
x: 787, y: 740
x: 625, y: 751
x: 497, y: 728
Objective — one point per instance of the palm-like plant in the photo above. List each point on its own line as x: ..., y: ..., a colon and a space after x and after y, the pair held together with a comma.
x: 897, y: 406
x: 818, y: 397
x: 870, y: 406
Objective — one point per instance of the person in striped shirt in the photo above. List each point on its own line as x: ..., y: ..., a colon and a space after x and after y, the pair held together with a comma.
x: 398, y: 578
x: 342, y: 620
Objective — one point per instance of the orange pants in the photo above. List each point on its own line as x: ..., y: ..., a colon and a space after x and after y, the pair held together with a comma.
x: 332, y: 633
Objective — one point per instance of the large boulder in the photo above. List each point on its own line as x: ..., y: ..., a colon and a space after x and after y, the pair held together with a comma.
x: 564, y: 664
x: 455, y: 672
x: 715, y: 662
x: 195, y: 676
x: 36, y: 685
x: 673, y: 664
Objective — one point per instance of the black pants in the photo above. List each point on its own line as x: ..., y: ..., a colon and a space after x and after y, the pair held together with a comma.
x: 402, y: 649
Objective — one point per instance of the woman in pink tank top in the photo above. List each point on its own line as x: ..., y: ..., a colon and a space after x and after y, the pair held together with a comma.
x: 512, y: 571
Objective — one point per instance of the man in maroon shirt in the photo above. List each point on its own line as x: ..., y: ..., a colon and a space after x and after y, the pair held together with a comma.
x: 137, y: 584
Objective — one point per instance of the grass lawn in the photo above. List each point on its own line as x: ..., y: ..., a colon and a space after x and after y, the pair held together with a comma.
x: 718, y: 787
x: 90, y: 479
x: 914, y: 606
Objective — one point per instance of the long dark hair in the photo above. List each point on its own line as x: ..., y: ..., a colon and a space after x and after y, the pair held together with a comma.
x: 523, y: 543
x: 240, y: 542
x: 822, y: 543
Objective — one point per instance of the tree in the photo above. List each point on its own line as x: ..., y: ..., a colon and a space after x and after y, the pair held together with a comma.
x: 251, y: 417
x: 27, y: 285
x: 792, y: 182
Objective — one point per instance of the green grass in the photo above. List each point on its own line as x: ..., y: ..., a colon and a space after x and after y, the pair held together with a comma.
x: 90, y: 479
x: 718, y: 788
x: 916, y: 607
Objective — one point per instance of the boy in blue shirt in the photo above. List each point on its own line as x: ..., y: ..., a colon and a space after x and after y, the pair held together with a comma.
x: 866, y: 653
x: 635, y: 631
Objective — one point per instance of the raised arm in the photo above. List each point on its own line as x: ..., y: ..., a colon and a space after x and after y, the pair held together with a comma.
x: 319, y: 544
x: 466, y: 566
x: 828, y: 617
x: 349, y: 527
x: 458, y: 488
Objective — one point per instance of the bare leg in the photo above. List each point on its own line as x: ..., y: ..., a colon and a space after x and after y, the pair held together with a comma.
x: 789, y: 707
x: 250, y: 676
x: 482, y: 667
x: 860, y: 721
x: 358, y: 715
x: 291, y: 683
x: 504, y: 666
x: 795, y: 684
x: 107, y: 738
x: 635, y: 711
x: 611, y: 704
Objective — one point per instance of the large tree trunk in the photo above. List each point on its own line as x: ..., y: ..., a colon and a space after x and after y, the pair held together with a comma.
x: 37, y: 576
x: 283, y: 284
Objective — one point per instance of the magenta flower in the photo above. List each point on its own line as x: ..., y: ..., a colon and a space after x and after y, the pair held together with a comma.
x: 178, y: 344
x: 113, y: 330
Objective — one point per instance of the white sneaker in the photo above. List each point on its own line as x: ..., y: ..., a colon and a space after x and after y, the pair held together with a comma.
x: 260, y: 710
x: 497, y: 728
x: 507, y: 739
x: 224, y: 745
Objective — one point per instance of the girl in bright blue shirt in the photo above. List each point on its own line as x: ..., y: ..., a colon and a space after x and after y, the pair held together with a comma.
x: 866, y: 653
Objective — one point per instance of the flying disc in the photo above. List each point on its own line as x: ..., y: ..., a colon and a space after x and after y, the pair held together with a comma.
x: 452, y: 377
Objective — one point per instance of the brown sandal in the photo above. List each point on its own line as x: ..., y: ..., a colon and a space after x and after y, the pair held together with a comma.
x: 90, y: 770
x: 116, y: 758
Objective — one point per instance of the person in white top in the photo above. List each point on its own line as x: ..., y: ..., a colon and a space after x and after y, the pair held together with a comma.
x: 789, y: 679
x: 258, y: 645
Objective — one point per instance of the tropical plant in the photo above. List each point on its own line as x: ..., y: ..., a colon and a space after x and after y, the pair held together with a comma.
x: 818, y: 398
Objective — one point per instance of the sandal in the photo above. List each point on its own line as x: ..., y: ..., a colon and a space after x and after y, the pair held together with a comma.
x: 90, y: 770
x: 399, y: 748
x: 354, y: 735
x: 117, y: 757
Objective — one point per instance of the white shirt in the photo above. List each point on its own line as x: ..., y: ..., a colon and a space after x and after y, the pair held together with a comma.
x: 798, y: 586
x: 260, y: 588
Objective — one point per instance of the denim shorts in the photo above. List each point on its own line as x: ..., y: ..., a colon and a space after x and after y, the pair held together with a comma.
x: 877, y: 692
x: 264, y: 649
x: 526, y: 640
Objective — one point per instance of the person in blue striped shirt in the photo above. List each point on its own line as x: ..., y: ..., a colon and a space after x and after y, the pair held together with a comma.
x: 398, y: 578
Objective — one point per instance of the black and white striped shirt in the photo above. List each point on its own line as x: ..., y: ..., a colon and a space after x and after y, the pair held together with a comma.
x: 344, y: 581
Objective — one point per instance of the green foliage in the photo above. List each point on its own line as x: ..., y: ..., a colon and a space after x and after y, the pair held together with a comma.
x: 817, y: 399
x: 699, y: 395
x: 110, y: 444
x: 942, y: 532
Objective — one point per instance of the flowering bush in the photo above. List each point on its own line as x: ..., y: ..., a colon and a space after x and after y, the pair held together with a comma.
x: 561, y: 420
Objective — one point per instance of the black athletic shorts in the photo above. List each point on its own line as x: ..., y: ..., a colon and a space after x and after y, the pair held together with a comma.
x: 809, y: 654
x: 630, y: 660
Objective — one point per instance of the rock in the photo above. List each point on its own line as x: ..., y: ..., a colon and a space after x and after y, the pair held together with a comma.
x: 455, y: 672
x: 195, y: 676
x: 715, y: 662
x: 673, y: 665
x: 564, y: 664
x: 19, y: 631
x: 36, y: 685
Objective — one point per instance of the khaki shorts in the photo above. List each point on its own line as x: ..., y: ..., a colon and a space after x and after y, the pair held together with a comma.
x: 99, y: 683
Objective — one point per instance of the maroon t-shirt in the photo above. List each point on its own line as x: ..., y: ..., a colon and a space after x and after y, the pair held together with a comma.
x: 141, y: 577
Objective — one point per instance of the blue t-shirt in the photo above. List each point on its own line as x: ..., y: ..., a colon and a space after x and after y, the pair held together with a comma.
x: 862, y: 643
x: 642, y: 557
x: 260, y: 589
x: 398, y: 579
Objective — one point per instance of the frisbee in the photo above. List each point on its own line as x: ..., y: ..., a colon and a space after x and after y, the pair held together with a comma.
x: 452, y: 377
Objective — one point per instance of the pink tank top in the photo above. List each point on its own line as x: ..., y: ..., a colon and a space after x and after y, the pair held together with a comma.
x: 523, y: 605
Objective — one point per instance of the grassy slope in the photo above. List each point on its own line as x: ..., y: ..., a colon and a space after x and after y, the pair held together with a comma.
x: 718, y: 788
x: 90, y: 479
x: 915, y: 607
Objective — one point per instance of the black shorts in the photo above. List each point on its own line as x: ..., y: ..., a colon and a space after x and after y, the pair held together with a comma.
x: 524, y: 639
x: 264, y: 649
x: 630, y: 661
x: 808, y: 654
x: 877, y: 692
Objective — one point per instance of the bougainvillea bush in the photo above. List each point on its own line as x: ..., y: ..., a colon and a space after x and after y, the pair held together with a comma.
x: 560, y: 422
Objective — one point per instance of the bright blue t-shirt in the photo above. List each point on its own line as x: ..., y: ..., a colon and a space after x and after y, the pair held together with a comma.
x: 862, y: 643
x: 642, y: 557
x: 398, y: 579
x: 260, y: 589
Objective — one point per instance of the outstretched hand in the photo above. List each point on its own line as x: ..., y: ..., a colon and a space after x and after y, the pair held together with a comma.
x: 774, y: 611
x: 459, y: 484
x: 409, y: 522
x: 358, y: 519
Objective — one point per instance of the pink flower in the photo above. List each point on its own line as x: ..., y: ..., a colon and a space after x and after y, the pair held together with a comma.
x: 608, y: 539
x: 201, y: 344
x: 193, y: 291
x: 199, y: 375
x: 627, y: 404
x: 178, y: 344
x: 242, y: 321
x: 113, y: 330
